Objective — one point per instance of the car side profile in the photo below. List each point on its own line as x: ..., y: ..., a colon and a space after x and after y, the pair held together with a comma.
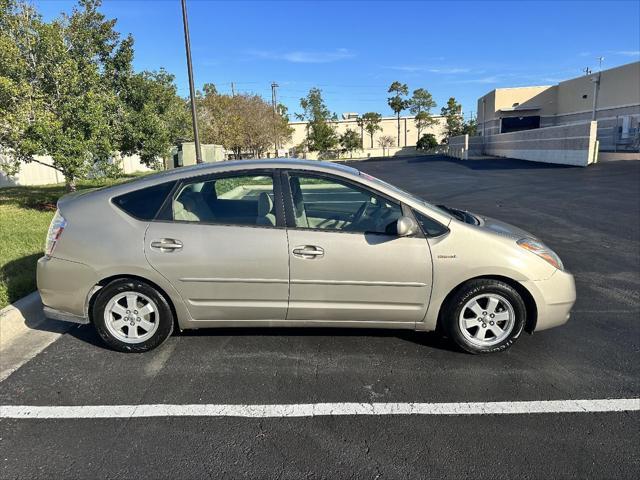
x: 288, y: 242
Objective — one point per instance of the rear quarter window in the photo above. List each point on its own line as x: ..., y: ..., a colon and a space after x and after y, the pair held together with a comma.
x: 144, y: 204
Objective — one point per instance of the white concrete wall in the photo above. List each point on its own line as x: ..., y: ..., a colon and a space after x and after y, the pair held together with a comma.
x: 132, y: 164
x: 34, y: 173
x: 458, y: 147
x: 31, y: 174
x: 566, y: 144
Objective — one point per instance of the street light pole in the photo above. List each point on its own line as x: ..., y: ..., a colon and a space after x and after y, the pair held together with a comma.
x: 194, y: 116
x: 274, y: 103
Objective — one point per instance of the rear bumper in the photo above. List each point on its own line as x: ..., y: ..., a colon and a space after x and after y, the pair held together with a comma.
x: 64, y: 316
x: 554, y: 299
x: 64, y: 287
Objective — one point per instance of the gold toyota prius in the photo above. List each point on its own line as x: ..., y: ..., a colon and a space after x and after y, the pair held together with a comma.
x: 291, y: 243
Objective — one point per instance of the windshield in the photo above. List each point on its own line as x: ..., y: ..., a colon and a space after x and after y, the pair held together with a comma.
x: 406, y: 194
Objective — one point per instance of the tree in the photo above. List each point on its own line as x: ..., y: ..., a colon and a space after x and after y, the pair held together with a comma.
x: 396, y: 102
x: 370, y: 122
x: 386, y: 142
x: 283, y: 111
x: 452, y: 114
x: 350, y: 141
x: 321, y: 135
x: 67, y: 90
x: 470, y: 127
x: 420, y: 105
x: 427, y: 142
x: 154, y: 117
x: 241, y: 123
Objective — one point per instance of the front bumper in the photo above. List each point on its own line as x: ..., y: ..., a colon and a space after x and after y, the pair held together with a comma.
x: 65, y: 287
x: 554, y: 299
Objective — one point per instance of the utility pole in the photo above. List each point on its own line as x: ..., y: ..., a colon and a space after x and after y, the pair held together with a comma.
x: 274, y: 85
x: 274, y: 104
x: 194, y: 116
x: 596, y: 88
x: 233, y: 89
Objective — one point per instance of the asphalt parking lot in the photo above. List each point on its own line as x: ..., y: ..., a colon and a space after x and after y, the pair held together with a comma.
x: 589, y: 216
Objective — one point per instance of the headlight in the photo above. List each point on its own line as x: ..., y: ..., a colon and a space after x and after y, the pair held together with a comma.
x: 542, y: 251
x: 53, y: 235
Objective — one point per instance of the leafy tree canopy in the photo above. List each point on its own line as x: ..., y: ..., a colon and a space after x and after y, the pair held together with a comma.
x: 420, y: 105
x: 452, y: 112
x: 350, y: 141
x: 397, y: 102
x: 370, y: 122
x: 242, y: 123
x: 427, y: 142
x: 68, y: 90
x: 321, y: 135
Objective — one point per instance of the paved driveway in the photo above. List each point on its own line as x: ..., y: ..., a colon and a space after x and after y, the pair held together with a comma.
x: 589, y: 216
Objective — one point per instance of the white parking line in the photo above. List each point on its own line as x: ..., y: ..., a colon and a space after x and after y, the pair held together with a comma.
x: 318, y: 409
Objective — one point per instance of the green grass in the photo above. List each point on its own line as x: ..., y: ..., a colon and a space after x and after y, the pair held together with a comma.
x: 25, y: 214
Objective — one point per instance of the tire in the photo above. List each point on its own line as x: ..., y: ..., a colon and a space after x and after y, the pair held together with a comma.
x: 484, y: 316
x: 131, y: 316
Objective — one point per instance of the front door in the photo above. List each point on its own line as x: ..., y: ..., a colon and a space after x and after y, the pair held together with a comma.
x: 223, y: 245
x: 346, y: 262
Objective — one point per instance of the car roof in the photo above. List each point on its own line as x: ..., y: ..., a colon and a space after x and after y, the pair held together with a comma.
x: 238, y: 165
x: 211, y: 168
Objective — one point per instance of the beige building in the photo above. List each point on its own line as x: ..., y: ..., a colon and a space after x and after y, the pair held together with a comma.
x: 185, y: 154
x: 610, y: 97
x: 389, y: 125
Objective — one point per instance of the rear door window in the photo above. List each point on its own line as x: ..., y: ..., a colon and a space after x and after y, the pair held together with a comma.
x: 245, y: 199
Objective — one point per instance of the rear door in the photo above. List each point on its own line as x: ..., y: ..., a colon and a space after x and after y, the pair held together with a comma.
x: 346, y: 262
x: 221, y: 241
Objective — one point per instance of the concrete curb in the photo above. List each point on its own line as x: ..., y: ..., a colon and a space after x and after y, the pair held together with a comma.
x: 25, y: 332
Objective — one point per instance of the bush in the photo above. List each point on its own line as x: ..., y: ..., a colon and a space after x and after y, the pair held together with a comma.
x: 427, y: 142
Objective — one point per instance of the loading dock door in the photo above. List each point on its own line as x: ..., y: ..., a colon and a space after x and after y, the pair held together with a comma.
x: 516, y: 124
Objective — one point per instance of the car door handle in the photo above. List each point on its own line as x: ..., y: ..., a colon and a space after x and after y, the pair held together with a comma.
x: 308, y: 251
x: 166, y: 244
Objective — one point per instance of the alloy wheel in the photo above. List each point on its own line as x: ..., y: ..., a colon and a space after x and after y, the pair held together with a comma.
x: 486, y: 319
x: 131, y: 317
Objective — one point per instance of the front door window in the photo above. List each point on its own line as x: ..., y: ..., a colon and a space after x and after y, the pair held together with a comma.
x: 324, y: 203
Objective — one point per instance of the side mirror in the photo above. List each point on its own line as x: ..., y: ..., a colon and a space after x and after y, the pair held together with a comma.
x: 406, y: 226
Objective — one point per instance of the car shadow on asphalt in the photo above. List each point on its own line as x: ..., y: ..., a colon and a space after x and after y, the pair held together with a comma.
x: 426, y: 339
x: 492, y: 164
x: 87, y: 334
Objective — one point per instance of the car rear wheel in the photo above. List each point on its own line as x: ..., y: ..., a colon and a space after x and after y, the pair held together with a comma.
x: 484, y: 316
x: 132, y: 316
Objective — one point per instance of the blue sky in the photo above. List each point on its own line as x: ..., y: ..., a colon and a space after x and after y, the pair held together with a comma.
x: 354, y: 50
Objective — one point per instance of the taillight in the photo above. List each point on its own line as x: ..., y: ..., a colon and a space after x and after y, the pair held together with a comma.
x: 53, y: 235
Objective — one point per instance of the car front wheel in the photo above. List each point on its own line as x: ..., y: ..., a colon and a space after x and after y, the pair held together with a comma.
x: 132, y: 316
x: 484, y: 316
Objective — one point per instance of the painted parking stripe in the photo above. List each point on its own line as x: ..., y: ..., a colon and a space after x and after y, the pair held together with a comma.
x: 318, y: 409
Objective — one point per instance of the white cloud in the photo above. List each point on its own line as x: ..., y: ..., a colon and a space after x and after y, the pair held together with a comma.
x: 449, y: 70
x: 488, y: 79
x: 301, y: 56
x: 627, y: 53
x: 425, y: 68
